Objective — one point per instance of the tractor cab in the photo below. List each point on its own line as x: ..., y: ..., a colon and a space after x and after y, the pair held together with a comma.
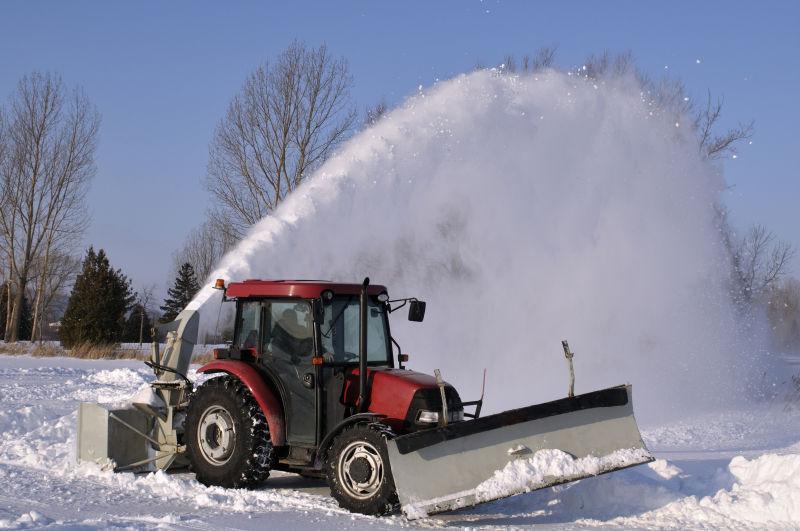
x: 304, y: 339
x: 278, y: 329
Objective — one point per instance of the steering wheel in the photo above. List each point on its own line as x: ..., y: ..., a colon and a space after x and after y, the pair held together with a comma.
x: 350, y: 356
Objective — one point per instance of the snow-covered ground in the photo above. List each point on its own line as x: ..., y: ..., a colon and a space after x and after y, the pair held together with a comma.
x: 730, y: 469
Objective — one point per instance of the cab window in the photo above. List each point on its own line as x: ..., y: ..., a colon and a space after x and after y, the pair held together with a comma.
x: 340, y: 331
x: 249, y: 325
x: 290, y: 334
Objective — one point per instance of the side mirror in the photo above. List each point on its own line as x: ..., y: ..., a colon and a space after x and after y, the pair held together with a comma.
x: 416, y: 311
x: 318, y: 310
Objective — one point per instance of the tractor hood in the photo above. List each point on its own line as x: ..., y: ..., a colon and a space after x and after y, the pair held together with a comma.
x: 399, y: 394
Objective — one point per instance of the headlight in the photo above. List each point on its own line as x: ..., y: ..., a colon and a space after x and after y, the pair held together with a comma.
x: 428, y: 417
x: 432, y: 417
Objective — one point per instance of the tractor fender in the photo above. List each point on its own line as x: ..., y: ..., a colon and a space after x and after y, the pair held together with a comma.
x: 365, y: 418
x: 266, y: 399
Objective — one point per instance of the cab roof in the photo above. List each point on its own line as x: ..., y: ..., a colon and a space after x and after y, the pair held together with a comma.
x: 304, y: 289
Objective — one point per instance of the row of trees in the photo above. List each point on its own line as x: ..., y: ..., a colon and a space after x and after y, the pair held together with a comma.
x: 48, y: 139
x: 287, y: 119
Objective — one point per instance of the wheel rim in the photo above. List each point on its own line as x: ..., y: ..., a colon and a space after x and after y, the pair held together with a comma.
x: 360, y: 469
x: 216, y: 436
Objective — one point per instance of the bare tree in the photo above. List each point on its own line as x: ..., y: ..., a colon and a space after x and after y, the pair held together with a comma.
x: 287, y: 119
x: 509, y: 64
x: 53, y: 275
x: 759, y: 262
x: 205, y: 245
x: 669, y: 95
x: 145, y: 298
x: 6, y: 195
x: 543, y: 58
x: 373, y: 114
x: 51, y: 139
x: 783, y: 311
x: 606, y: 65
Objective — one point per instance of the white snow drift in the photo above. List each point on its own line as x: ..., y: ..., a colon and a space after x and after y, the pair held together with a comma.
x: 546, y: 466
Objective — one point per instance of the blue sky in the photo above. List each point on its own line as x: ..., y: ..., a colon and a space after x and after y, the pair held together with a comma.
x: 162, y: 74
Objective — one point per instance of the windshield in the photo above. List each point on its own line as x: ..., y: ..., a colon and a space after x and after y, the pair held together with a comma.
x: 340, y: 331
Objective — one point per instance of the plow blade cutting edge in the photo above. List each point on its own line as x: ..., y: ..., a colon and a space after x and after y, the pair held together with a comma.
x: 520, y: 450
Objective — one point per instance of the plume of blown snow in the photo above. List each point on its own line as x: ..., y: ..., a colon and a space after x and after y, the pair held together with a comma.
x: 525, y: 210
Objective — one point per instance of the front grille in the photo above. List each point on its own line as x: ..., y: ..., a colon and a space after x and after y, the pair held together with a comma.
x: 430, y: 399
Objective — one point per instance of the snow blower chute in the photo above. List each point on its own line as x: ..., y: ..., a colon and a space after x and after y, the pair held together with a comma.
x: 312, y: 383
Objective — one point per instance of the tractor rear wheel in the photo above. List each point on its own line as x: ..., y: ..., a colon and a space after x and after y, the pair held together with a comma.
x: 358, y: 472
x: 226, y: 434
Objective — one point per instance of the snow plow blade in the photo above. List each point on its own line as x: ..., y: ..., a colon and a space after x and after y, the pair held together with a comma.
x: 520, y: 450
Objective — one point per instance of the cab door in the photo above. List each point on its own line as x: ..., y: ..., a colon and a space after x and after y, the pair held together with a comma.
x: 288, y: 350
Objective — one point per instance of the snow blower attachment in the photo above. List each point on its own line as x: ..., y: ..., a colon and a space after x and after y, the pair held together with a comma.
x: 312, y: 384
x: 144, y: 435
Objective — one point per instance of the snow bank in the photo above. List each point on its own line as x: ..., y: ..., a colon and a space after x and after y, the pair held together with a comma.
x: 526, y: 210
x: 552, y: 466
x: 765, y: 493
x: 27, y: 520
x: 755, y: 493
x: 115, y: 376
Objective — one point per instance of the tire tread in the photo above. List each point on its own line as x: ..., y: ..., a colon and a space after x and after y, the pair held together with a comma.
x: 252, y: 467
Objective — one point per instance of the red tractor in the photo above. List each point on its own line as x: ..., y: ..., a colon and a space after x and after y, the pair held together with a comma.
x: 314, y: 383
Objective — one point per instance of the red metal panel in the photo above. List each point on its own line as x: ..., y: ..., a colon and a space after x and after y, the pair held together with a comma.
x: 305, y: 289
x: 391, y: 391
x: 264, y: 396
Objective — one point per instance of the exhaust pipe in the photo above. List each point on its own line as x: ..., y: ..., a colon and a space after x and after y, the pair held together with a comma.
x: 363, y: 304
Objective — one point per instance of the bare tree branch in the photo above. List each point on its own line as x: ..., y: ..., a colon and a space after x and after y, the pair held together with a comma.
x: 714, y: 146
x: 373, y: 114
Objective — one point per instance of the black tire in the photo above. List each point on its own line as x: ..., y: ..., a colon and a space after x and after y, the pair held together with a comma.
x: 358, y: 472
x: 240, y: 456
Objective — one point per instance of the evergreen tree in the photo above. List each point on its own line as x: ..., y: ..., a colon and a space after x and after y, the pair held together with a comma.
x: 179, y: 295
x: 137, y: 321
x: 98, y: 304
x: 26, y: 318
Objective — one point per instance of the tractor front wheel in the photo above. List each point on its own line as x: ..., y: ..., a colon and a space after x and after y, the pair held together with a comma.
x: 358, y: 472
x: 226, y: 434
